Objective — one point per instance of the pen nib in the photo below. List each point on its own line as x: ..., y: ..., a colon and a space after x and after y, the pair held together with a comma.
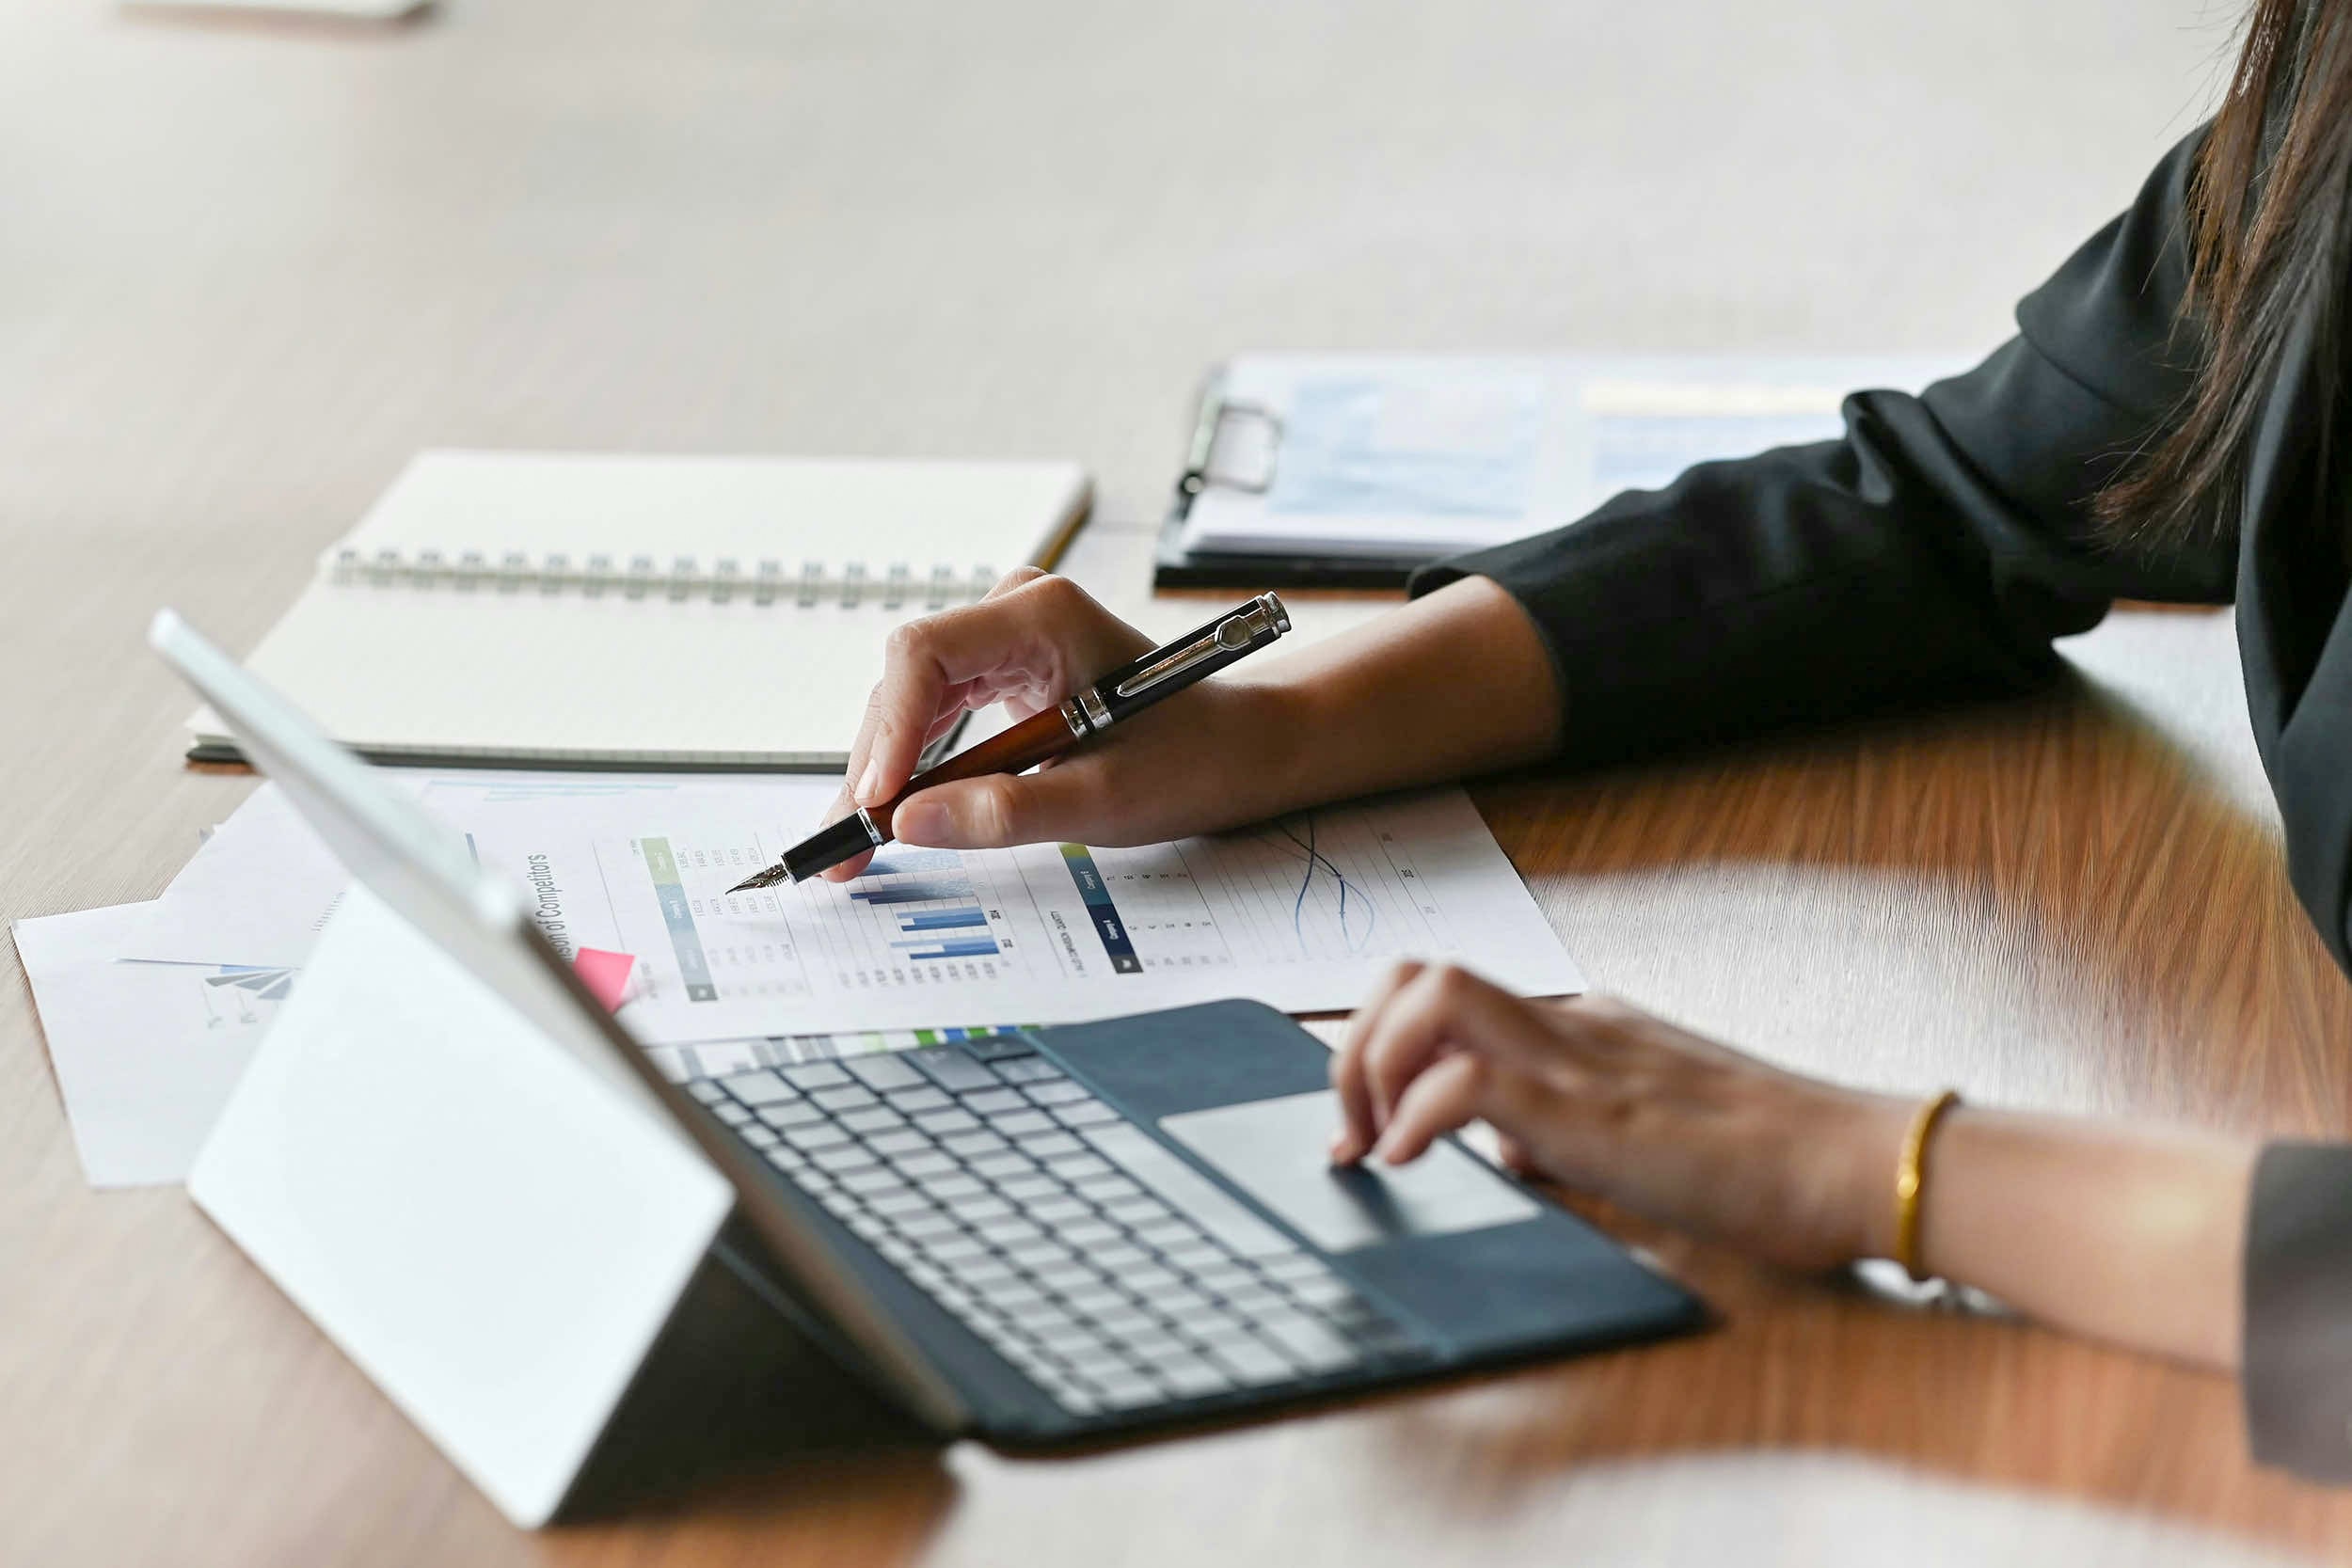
x: 768, y: 877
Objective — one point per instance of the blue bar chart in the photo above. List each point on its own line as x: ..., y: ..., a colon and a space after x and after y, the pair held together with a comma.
x: 952, y: 923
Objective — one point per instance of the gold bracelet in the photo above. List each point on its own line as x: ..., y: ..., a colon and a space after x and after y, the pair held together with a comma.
x: 1911, y: 1178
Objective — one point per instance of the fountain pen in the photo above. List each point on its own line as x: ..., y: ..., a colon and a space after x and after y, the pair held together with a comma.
x: 1119, y: 696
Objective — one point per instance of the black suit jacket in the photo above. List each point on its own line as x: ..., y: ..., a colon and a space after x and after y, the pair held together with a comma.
x: 1935, y: 553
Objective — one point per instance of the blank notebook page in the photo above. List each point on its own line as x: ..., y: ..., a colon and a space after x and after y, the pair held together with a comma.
x: 662, y: 609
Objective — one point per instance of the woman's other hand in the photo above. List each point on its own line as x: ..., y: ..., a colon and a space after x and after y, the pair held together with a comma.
x: 1607, y: 1100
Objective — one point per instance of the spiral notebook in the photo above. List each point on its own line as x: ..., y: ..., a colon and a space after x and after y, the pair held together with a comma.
x: 620, y: 612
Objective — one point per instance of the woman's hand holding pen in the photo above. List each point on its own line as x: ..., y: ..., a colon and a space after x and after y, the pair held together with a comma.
x: 1215, y: 761
x: 1381, y: 707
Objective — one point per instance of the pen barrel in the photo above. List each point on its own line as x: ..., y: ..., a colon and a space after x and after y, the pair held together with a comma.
x: 1187, y: 660
x: 1016, y: 750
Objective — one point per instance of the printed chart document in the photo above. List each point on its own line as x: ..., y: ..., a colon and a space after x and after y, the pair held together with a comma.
x: 1304, y: 914
x: 144, y: 1054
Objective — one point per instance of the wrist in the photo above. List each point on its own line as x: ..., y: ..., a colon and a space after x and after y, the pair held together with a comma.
x: 1871, y: 1146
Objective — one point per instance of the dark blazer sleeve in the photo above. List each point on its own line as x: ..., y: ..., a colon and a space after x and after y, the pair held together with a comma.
x: 2297, y: 1347
x: 1933, y: 553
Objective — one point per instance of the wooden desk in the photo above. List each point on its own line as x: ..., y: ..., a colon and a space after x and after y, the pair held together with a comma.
x: 246, y: 268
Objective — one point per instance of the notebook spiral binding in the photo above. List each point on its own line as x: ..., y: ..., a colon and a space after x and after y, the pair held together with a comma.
x: 722, y: 580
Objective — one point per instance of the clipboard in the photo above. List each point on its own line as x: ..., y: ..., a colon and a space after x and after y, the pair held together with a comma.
x: 1217, y: 421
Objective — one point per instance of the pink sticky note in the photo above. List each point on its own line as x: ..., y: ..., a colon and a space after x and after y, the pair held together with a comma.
x: 605, y: 974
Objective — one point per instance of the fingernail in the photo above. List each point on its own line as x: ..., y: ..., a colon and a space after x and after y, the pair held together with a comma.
x: 920, y: 822
x: 1344, y: 1149
x: 868, y: 784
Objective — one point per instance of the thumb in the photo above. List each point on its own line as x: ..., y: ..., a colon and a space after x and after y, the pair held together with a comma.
x: 997, y: 812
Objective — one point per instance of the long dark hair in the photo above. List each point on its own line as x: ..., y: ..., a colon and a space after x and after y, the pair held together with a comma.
x: 2270, y: 237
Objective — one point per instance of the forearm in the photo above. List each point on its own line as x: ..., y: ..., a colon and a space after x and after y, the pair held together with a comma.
x: 2129, y: 1235
x: 1451, y: 685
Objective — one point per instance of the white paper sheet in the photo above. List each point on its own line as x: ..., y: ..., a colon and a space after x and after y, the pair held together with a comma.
x: 1304, y: 914
x: 144, y: 1054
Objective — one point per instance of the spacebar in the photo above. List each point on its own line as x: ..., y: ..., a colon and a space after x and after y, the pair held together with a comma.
x: 1179, y: 1185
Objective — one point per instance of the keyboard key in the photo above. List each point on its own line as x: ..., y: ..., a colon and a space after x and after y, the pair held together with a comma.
x: 1094, y: 1299
x: 873, y: 1180
x: 1137, y: 1213
x: 1037, y: 1254
x: 1156, y: 1345
x: 929, y: 1162
x: 915, y: 1101
x: 1058, y: 1211
x: 1080, y: 1169
x: 1011, y: 1124
x: 731, y: 1113
x: 757, y: 1137
x: 983, y: 1271
x: 951, y: 1186
x: 816, y: 1136
x: 1089, y: 1234
x: 1012, y: 1295
x: 1028, y: 1070
x: 1251, y: 1364
x: 848, y: 1098
x: 1050, y: 1145
x: 1194, y: 1254
x: 842, y: 1158
x: 1007, y: 1234
x: 1128, y: 1393
x: 976, y: 1211
x: 1033, y: 1187
x: 1191, y: 1377
x: 956, y: 1249
x: 1291, y: 1263
x: 1224, y: 1276
x: 1126, y: 1324
x: 906, y: 1141
x: 1183, y: 1302
x: 1064, y: 1275
x: 883, y: 1071
x: 815, y: 1075
x: 971, y: 1145
x: 924, y: 1230
x: 762, y: 1087
x: 1004, y: 1168
x: 1056, y: 1093
x: 989, y: 1102
x: 796, y: 1113
x: 1003, y: 1045
x: 901, y: 1204
x: 1162, y: 1233
x: 874, y: 1118
x: 707, y: 1090
x: 939, y: 1124
x: 814, y: 1181
x: 1309, y: 1343
x: 951, y: 1069
x: 1099, y: 1188
x: 1324, y: 1293
x: 1090, y: 1113
x: 1148, y: 1281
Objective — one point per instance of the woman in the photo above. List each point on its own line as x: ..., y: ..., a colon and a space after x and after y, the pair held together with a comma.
x: 2167, y: 424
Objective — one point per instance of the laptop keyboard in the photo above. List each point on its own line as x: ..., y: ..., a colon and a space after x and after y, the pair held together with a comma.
x: 1080, y: 1249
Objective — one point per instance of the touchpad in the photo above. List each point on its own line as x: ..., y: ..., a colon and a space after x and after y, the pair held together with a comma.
x: 1277, y: 1152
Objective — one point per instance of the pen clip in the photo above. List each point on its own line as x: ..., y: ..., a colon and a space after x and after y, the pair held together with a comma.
x: 1233, y: 634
